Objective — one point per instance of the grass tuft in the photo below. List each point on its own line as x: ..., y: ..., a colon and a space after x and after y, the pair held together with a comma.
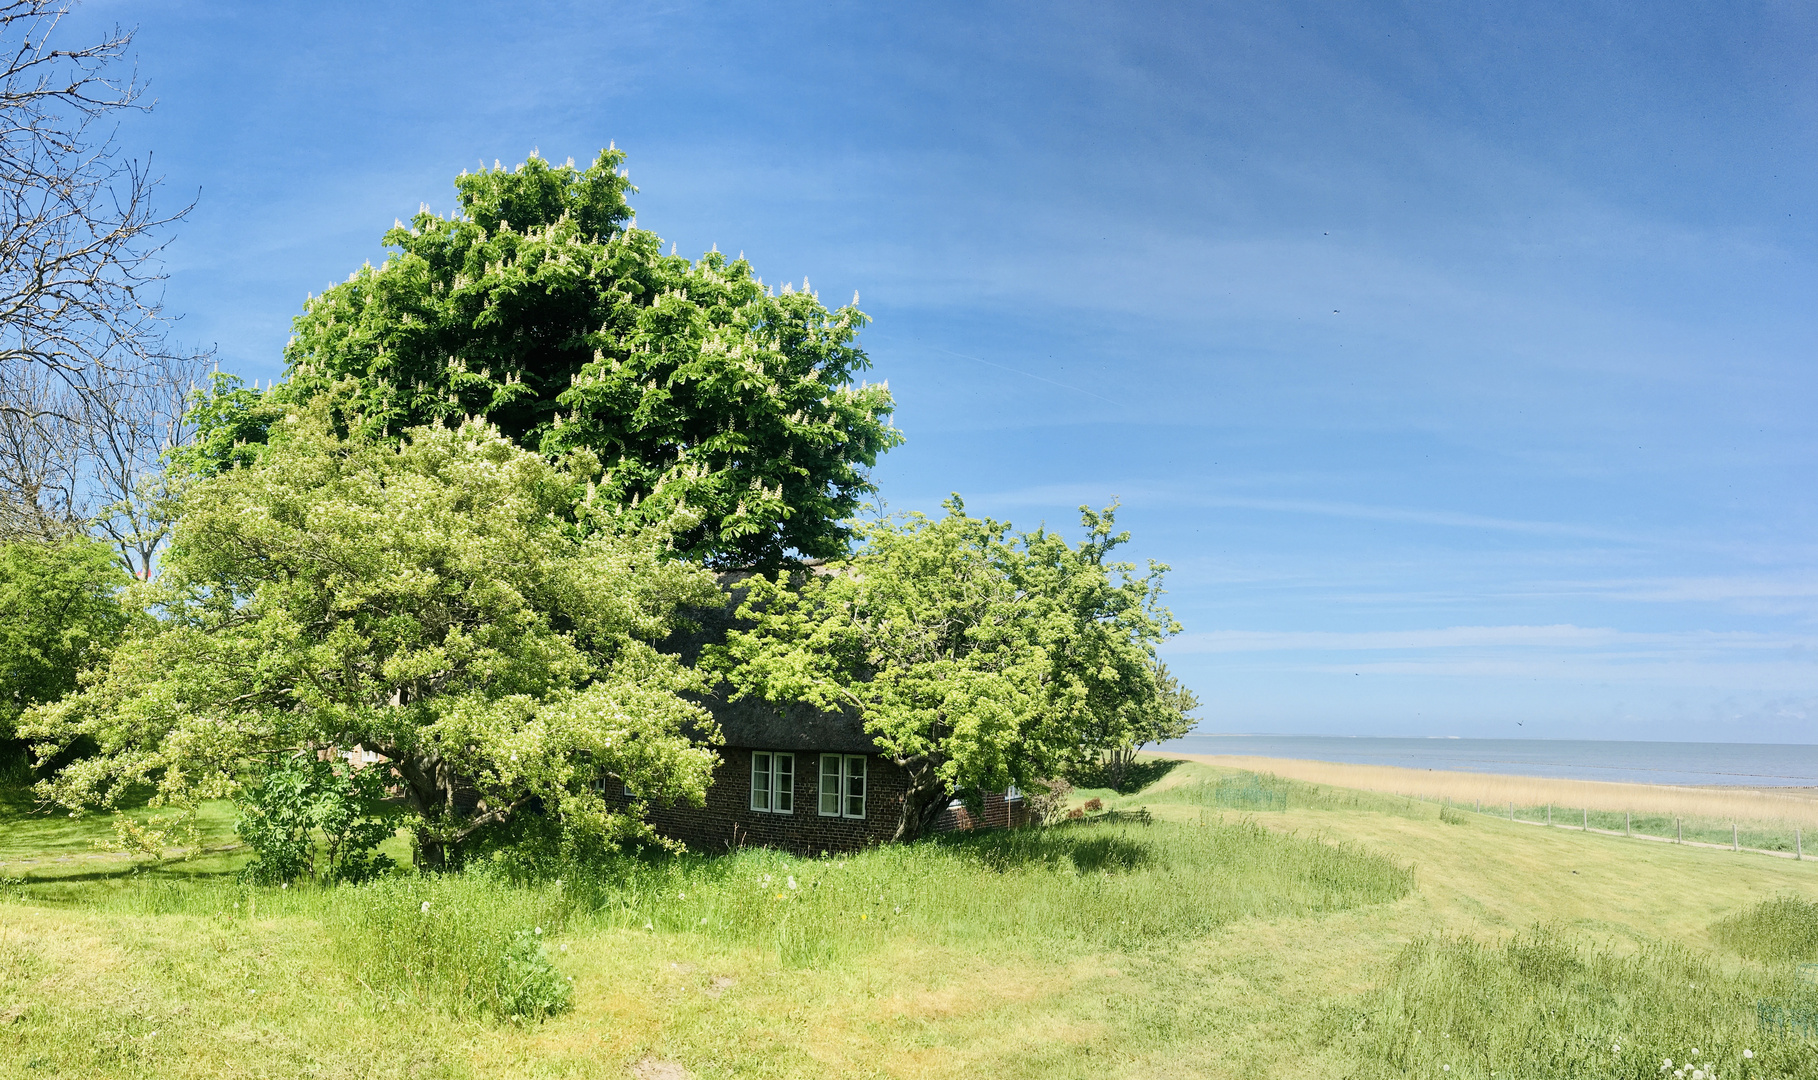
x: 1781, y: 930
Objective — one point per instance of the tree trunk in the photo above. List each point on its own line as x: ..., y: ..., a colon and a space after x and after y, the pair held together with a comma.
x: 429, y: 789
x: 925, y: 801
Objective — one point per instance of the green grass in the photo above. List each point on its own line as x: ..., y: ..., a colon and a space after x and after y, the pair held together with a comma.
x: 1345, y: 935
x: 1781, y: 930
x: 1542, y: 1005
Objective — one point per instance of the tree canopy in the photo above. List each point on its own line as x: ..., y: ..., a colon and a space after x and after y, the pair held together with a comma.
x: 430, y: 598
x: 710, y: 399
x: 58, y: 614
x: 977, y: 659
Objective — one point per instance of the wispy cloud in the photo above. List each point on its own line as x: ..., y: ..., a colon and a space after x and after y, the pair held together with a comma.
x: 1559, y: 637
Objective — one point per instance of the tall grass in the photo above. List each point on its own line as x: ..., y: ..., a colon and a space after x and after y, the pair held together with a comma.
x: 1781, y: 930
x: 471, y: 942
x: 1539, y: 1005
x: 1043, y: 891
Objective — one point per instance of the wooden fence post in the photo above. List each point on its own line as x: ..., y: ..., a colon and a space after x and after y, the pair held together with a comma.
x: 1735, y: 837
x: 1585, y: 825
x: 1549, y: 815
x: 1798, y: 844
x: 1511, y: 810
x: 1678, y: 830
x: 1628, y: 827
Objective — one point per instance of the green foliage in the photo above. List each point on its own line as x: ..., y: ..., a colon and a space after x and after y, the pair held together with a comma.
x: 1540, y: 1005
x: 232, y: 423
x: 291, y: 802
x: 708, y: 398
x: 976, y: 659
x: 1783, y: 930
x: 470, y: 944
x: 430, y: 600
x: 59, y: 612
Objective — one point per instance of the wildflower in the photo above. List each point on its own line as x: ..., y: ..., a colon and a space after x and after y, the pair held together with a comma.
x: 281, y: 888
x: 539, y: 930
x: 681, y: 896
x: 792, y: 881
x: 1615, y: 1048
x: 864, y: 916
x: 647, y: 926
x: 564, y: 947
x: 703, y: 920
x: 1666, y: 1063
x: 1697, y: 1074
x: 1748, y: 1053
x: 1694, y: 1051
x: 425, y: 907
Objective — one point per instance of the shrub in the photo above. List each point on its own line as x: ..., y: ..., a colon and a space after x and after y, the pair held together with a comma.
x: 282, y: 812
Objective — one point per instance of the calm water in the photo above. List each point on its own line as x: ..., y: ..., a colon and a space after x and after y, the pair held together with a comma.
x: 1755, y: 764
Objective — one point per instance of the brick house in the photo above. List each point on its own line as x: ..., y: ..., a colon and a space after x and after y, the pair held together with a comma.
x: 798, y: 778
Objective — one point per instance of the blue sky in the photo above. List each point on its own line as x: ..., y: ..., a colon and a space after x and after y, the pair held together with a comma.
x: 1458, y: 358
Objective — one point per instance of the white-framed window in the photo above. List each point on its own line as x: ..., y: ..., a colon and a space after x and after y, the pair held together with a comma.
x: 773, y: 782
x: 1012, y: 794
x: 842, y: 785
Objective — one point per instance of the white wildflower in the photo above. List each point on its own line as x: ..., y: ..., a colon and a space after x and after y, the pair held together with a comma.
x: 539, y: 931
x: 792, y: 881
x: 425, y: 907
x: 1748, y: 1053
x: 703, y: 920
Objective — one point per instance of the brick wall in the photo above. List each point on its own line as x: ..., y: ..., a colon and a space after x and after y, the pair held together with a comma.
x: 997, y: 812
x: 727, y: 821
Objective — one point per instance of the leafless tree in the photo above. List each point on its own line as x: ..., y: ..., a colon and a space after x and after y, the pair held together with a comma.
x: 91, y: 390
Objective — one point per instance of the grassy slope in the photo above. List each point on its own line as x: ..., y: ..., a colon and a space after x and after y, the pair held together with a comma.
x: 98, y: 970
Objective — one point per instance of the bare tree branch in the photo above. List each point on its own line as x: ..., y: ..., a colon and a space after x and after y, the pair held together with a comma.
x: 91, y: 391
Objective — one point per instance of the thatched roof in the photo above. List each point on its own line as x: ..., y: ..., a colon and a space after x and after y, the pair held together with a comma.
x: 755, y: 724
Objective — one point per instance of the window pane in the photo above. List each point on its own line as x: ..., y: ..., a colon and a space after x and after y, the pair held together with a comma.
x: 760, y: 781
x: 782, y: 771
x: 855, y: 787
x: 830, y: 785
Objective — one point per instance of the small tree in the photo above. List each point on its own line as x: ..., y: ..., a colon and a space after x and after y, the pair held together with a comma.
x: 976, y: 659
x: 540, y: 306
x: 1168, y: 715
x: 441, y: 601
x: 59, y: 613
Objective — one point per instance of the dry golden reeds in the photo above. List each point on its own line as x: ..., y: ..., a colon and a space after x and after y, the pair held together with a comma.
x: 1792, y: 806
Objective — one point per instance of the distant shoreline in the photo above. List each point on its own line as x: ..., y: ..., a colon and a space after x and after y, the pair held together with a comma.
x: 1797, y: 804
x: 1741, y: 765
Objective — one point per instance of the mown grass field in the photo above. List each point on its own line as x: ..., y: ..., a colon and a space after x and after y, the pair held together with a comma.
x: 1352, y: 934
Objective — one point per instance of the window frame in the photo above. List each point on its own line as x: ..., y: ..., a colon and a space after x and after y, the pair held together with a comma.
x: 847, y: 773
x: 778, y: 787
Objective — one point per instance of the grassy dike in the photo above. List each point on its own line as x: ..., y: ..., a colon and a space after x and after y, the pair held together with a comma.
x: 1350, y: 935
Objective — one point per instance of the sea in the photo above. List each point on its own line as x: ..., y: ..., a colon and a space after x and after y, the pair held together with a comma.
x: 1727, y: 764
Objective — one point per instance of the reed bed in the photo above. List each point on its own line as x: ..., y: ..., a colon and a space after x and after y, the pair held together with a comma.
x: 1776, y: 806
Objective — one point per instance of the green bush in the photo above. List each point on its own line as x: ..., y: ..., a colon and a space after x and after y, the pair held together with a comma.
x: 1784, y: 929
x: 293, y: 802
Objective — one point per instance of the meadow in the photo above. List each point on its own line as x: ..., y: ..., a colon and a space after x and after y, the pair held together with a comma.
x: 1201, y: 927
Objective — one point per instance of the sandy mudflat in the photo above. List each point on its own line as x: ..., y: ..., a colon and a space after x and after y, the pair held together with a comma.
x: 1788, y: 804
